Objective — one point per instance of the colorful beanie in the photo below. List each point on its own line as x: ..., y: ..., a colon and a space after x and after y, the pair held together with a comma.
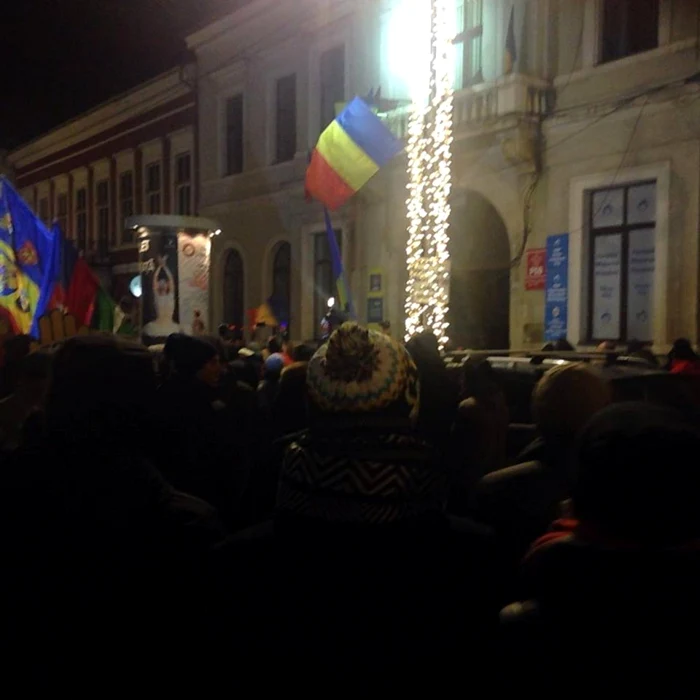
x: 360, y: 371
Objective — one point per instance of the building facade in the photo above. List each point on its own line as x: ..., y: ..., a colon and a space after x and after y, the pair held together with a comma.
x: 134, y: 155
x: 594, y: 133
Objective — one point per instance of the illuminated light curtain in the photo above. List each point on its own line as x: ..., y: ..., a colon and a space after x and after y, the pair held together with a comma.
x: 429, y: 183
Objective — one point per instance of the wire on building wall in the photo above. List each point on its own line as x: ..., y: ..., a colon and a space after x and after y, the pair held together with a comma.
x: 618, y: 170
x: 527, y: 219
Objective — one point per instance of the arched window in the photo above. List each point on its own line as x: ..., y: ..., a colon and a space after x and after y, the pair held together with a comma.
x: 234, y: 311
x: 282, y: 282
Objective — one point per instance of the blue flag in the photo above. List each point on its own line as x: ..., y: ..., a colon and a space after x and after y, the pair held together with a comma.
x: 28, y: 262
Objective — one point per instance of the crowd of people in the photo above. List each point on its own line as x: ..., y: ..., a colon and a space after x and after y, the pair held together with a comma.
x: 231, y: 513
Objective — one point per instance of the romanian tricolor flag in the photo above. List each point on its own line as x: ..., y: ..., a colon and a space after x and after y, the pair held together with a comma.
x: 264, y: 315
x: 272, y: 313
x: 349, y: 152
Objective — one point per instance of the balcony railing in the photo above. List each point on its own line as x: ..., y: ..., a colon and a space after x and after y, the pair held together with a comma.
x: 482, y: 104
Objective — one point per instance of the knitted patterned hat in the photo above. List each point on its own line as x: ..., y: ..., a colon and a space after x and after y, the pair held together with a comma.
x: 360, y: 371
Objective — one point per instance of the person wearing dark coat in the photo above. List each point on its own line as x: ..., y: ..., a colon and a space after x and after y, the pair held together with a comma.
x: 682, y: 359
x: 520, y: 501
x: 104, y: 562
x: 269, y: 386
x: 439, y: 394
x: 609, y: 594
x: 360, y: 569
x: 194, y: 446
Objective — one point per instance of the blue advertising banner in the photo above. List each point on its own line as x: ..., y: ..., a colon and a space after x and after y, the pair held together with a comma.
x: 556, y: 295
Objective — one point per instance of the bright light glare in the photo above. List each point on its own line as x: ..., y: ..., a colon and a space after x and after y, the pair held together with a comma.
x: 331, y: 302
x: 406, y: 46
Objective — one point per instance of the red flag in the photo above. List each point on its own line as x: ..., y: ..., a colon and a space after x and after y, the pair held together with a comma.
x: 81, y: 293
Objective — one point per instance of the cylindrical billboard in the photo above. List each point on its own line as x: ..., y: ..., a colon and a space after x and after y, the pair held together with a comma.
x: 175, y: 283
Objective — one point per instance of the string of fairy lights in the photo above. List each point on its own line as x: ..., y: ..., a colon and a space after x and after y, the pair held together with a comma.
x: 429, y: 153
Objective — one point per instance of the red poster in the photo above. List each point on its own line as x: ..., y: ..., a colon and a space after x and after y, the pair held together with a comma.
x: 535, y: 272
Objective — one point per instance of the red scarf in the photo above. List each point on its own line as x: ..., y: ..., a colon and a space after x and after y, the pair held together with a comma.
x: 571, y: 528
x: 691, y: 367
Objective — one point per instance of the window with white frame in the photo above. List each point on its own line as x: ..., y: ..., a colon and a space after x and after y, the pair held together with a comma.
x: 183, y: 184
x: 628, y: 27
x: 81, y: 218
x: 104, y: 237
x: 126, y: 204
x: 332, y: 83
x: 286, y: 118
x: 153, y: 188
x: 62, y: 212
x: 468, y: 43
x: 622, y: 262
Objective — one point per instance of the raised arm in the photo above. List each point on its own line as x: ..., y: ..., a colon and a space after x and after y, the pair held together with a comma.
x: 169, y: 274
x: 155, y: 280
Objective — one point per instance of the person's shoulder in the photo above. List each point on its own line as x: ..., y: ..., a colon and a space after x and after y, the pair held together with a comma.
x: 251, y: 547
x: 261, y: 532
x: 468, y: 407
x: 461, y: 527
x: 194, y: 514
x: 518, y: 473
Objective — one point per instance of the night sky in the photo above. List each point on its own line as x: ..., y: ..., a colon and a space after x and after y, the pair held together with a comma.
x: 62, y: 57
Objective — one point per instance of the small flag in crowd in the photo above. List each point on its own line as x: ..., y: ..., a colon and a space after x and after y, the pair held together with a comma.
x: 77, y: 290
x: 511, y: 49
x: 75, y: 285
x: 271, y: 313
x: 348, y: 153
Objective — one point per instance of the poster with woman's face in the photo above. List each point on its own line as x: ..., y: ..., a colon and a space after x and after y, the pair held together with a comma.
x: 159, y: 282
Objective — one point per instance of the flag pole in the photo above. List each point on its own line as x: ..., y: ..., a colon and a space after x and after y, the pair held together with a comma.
x: 338, y: 271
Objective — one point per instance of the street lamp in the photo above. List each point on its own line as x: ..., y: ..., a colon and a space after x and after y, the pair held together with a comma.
x: 429, y: 183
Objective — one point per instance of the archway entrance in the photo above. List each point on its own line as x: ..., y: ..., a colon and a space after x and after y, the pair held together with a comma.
x: 480, y: 276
